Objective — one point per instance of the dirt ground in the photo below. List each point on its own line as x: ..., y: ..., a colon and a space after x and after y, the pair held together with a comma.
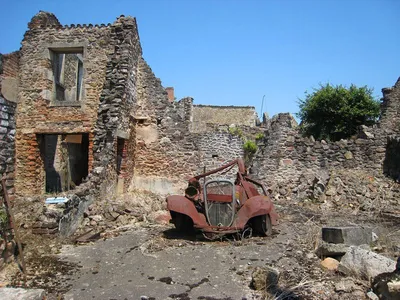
x: 156, y: 262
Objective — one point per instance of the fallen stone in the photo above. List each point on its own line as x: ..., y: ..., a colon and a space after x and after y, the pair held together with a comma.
x: 331, y: 250
x: 348, y: 155
x: 372, y: 296
x: 96, y: 218
x: 163, y: 218
x: 365, y: 263
x: 346, y: 285
x: 330, y: 263
x: 364, y: 133
x: 347, y: 235
x: 394, y: 287
x: 387, y: 285
x: 264, y: 278
x: 22, y: 294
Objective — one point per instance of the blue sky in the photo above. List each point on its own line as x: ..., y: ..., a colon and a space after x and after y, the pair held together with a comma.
x: 231, y: 52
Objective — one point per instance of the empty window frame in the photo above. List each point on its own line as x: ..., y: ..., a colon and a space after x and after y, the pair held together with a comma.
x: 67, y: 66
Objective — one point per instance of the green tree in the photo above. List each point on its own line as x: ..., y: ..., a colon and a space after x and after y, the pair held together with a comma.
x: 335, y: 112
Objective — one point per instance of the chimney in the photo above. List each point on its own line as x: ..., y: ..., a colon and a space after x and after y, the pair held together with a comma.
x: 171, y: 96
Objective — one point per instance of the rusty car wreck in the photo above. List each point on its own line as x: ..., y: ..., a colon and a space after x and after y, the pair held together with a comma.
x: 222, y: 206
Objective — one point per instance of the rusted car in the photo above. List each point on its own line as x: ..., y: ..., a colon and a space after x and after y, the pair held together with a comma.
x: 220, y: 206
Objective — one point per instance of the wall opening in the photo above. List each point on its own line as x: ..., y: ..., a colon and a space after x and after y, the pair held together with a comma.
x: 120, y: 154
x: 65, y: 160
x: 67, y: 67
x: 391, y: 164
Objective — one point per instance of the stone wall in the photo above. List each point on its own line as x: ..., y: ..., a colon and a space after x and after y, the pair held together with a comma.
x: 222, y: 115
x: 7, y: 145
x: 167, y: 151
x: 290, y: 164
x: 37, y: 112
x: 137, y: 138
x: 9, y: 75
x: 164, y: 148
x: 9, y: 64
x: 390, y: 119
x: 114, y: 113
x: 284, y: 153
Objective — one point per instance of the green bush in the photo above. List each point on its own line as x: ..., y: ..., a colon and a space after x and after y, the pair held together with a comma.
x: 335, y: 112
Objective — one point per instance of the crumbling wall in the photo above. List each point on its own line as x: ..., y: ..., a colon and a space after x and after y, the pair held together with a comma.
x: 297, y: 167
x: 390, y: 107
x: 9, y: 64
x: 7, y: 145
x: 165, y: 150
x: 9, y: 75
x: 222, y: 115
x: 285, y: 156
x: 116, y: 102
x: 37, y: 112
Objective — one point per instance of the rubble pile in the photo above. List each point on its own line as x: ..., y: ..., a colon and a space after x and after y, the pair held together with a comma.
x: 129, y: 209
x: 348, y: 189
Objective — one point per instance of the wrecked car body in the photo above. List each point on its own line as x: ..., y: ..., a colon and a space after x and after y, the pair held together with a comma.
x: 221, y: 206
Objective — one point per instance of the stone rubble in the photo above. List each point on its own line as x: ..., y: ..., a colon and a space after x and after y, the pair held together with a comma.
x: 365, y: 263
x: 22, y: 294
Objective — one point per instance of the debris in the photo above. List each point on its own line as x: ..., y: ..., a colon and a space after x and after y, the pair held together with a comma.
x: 89, y: 236
x: 364, y: 263
x: 264, y: 278
x: 331, y: 250
x: 372, y: 296
x: 22, y: 294
x: 347, y: 235
x: 56, y: 200
x: 45, y: 228
x: 387, y: 285
x: 330, y: 264
x: 346, y: 285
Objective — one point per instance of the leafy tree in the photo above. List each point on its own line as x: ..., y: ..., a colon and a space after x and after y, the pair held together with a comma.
x: 335, y: 112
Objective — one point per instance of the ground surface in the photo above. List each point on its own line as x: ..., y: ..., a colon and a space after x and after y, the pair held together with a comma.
x: 159, y: 263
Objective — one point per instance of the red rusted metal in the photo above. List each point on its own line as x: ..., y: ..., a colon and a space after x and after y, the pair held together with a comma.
x: 248, y: 203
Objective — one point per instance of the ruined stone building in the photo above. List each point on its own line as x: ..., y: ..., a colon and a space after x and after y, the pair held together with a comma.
x: 83, y: 114
x: 91, y: 115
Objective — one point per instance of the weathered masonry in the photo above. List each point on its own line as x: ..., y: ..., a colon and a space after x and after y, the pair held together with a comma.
x: 91, y: 113
x: 83, y: 116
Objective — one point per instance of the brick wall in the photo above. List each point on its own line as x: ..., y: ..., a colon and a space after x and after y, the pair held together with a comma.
x: 115, y: 107
x: 10, y: 64
x: 36, y: 113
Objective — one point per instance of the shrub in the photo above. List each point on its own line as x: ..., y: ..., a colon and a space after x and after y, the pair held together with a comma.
x: 336, y: 112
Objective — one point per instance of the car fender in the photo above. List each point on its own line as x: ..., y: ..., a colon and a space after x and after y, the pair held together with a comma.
x: 255, y: 206
x: 181, y: 204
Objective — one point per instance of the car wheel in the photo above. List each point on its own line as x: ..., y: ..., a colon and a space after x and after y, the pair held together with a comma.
x: 262, y: 225
x: 182, y: 222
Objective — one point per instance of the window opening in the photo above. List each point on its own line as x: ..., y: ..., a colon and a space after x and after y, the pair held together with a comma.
x: 67, y: 67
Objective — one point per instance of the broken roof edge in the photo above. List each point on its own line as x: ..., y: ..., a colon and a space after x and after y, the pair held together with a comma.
x: 46, y: 20
x: 224, y: 106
